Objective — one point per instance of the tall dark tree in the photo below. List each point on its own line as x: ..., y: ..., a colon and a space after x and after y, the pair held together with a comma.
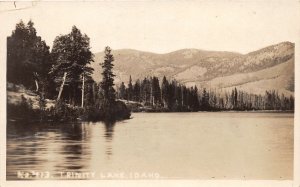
x: 137, y: 91
x: 146, y: 91
x: 195, y: 105
x: 164, y: 91
x: 72, y: 56
x: 205, y: 101
x: 107, y: 82
x: 156, y: 93
x: 235, y: 98
x: 122, y: 91
x: 28, y: 57
x: 171, y: 101
x: 130, y: 89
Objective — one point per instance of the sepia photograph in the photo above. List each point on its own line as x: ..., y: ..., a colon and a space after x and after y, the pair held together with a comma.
x: 149, y: 91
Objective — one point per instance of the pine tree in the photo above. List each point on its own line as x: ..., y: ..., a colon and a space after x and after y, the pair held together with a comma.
x: 28, y: 58
x: 156, y: 93
x: 130, y: 89
x: 137, y: 91
x: 107, y: 82
x: 146, y: 91
x: 71, y: 54
x: 164, y: 91
x: 235, y: 98
x: 205, y: 101
x: 122, y: 91
x: 196, y: 104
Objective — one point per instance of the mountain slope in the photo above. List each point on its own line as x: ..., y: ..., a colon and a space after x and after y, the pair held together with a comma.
x: 268, y: 68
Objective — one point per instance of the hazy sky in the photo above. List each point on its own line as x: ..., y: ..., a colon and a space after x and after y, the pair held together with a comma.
x: 161, y: 27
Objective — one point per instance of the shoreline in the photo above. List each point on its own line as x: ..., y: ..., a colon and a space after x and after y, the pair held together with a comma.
x: 12, y: 120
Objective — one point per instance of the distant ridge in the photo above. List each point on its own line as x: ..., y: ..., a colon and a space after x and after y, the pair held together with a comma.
x: 268, y: 68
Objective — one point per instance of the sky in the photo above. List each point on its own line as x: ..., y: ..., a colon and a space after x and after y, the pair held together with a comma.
x: 164, y: 26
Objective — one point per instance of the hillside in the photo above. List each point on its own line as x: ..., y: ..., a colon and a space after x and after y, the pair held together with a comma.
x: 16, y: 92
x: 269, y: 68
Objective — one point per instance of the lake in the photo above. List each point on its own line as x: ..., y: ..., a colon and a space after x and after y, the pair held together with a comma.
x: 203, y: 145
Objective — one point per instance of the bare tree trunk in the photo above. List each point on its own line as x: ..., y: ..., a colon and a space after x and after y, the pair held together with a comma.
x: 82, y: 91
x: 35, y: 75
x: 62, y: 86
x: 36, y: 85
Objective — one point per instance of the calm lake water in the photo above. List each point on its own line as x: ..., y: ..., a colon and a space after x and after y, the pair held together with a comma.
x: 219, y: 145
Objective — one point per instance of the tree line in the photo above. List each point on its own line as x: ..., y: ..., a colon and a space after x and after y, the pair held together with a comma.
x: 177, y: 97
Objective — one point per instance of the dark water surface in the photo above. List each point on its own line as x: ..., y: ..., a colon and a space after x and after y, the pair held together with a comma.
x: 219, y: 145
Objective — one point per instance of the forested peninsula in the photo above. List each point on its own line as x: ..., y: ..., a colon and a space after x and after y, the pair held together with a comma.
x: 56, y: 85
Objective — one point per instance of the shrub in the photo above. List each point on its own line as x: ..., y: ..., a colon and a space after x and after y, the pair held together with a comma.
x: 63, y: 112
x: 22, y: 110
x: 115, y: 111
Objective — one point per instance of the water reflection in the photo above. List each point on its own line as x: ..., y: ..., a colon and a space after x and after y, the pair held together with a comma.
x: 74, y: 154
x: 44, y: 147
x: 175, y: 145
x: 109, y: 132
x: 26, y: 147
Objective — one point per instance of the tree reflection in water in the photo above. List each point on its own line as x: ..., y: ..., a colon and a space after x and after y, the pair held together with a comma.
x: 108, y: 134
x: 74, y: 154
